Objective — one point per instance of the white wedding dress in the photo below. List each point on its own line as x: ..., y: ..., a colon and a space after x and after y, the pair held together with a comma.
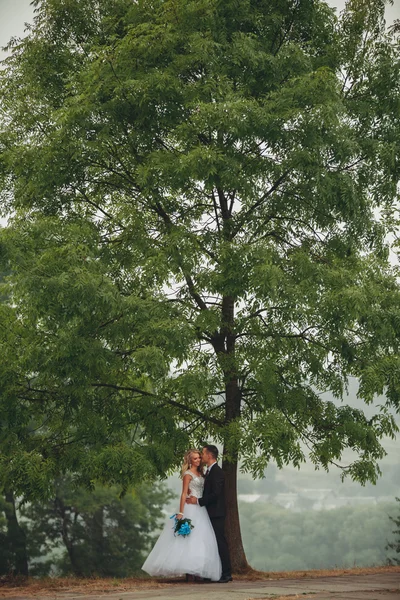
x: 196, y: 554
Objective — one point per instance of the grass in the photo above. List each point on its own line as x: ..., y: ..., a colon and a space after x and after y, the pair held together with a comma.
x: 11, y: 587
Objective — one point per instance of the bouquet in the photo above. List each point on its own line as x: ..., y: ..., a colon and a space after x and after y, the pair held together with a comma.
x: 182, y: 527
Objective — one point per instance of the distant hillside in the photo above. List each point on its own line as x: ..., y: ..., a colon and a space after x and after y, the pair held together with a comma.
x: 276, y: 539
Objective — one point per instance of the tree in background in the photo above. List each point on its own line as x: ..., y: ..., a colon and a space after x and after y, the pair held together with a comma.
x: 395, y: 546
x: 83, y: 532
x: 6, y: 558
x: 15, y: 538
x: 200, y: 193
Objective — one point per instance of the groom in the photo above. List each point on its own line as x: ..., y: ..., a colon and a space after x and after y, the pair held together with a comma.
x: 214, y: 501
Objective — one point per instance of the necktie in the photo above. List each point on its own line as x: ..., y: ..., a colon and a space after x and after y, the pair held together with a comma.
x: 207, y: 472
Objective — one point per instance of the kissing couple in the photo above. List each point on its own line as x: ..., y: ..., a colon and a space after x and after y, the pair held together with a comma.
x: 204, y: 553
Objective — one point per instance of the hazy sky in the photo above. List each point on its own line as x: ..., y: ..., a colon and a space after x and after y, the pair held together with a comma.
x: 14, y: 13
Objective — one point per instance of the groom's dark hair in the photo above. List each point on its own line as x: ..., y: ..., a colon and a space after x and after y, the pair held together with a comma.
x: 213, y: 450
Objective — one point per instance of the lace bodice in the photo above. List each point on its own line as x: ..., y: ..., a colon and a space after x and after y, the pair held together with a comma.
x: 196, y: 485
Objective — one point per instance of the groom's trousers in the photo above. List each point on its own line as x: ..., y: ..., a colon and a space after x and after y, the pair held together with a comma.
x: 218, y: 524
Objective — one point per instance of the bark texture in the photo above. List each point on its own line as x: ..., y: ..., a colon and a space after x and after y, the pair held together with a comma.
x: 232, y: 529
x: 230, y: 459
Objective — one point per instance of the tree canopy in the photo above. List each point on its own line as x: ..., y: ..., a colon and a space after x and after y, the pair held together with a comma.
x: 198, y: 194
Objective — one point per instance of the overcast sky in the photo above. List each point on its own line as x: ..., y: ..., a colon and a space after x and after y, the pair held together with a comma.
x: 14, y: 13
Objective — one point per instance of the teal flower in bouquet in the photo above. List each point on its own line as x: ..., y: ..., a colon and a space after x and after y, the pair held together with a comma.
x: 182, y: 527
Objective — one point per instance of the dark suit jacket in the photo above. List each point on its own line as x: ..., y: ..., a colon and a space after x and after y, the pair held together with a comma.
x: 213, y: 495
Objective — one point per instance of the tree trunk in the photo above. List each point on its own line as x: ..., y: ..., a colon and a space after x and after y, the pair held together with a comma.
x: 16, y: 537
x: 232, y: 412
x: 232, y: 529
x: 66, y: 524
x: 97, y: 542
x: 225, y: 347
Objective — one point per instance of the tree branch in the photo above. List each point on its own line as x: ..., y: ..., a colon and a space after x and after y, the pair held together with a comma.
x: 261, y: 201
x: 189, y: 281
x: 175, y: 403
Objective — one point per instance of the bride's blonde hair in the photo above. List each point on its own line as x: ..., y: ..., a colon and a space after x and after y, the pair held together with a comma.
x: 187, y: 461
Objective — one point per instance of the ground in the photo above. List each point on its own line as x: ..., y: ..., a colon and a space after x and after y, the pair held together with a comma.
x: 382, y: 583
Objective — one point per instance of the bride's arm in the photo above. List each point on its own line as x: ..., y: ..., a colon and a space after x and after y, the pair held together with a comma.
x: 185, y: 486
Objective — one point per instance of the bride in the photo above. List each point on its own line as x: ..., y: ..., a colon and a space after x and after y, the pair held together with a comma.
x: 196, y: 554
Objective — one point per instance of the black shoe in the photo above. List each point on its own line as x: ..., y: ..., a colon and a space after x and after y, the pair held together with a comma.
x: 225, y: 579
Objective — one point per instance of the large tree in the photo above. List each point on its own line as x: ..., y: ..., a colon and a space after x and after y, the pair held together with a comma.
x: 198, y: 194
